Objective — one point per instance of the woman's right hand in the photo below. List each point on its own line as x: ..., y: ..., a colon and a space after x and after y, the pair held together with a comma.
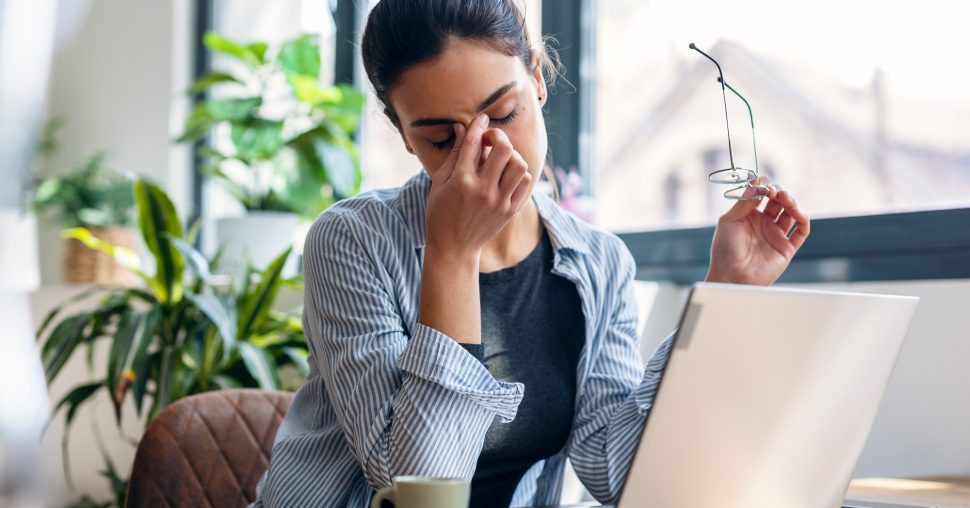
x: 475, y: 192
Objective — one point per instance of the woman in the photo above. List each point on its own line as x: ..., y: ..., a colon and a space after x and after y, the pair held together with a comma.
x: 461, y: 325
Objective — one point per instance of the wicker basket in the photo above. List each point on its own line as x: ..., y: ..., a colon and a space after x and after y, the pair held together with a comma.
x: 83, y: 265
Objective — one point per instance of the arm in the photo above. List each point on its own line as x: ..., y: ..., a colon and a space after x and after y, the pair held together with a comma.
x: 616, y: 397
x: 417, y: 405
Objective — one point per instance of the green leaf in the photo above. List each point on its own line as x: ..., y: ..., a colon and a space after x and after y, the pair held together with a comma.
x: 147, y: 330
x: 308, y: 90
x: 121, y: 347
x: 159, y: 223
x: 257, y: 305
x: 145, y: 369
x: 301, y: 181
x: 167, y: 374
x: 341, y: 170
x: 75, y: 398
x: 234, y: 189
x: 197, y: 125
x: 299, y: 358
x: 62, y: 342
x: 225, y: 382
x: 257, y: 139
x: 260, y: 365
x: 57, y: 310
x: 258, y: 50
x: 301, y: 56
x: 47, y: 191
x: 195, y: 258
x: 232, y: 109
x: 347, y: 113
x: 192, y: 234
x: 246, y: 54
x: 210, y: 79
x: 222, y: 314
x: 124, y: 256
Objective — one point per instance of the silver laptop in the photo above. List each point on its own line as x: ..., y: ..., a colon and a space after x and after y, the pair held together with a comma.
x: 767, y: 398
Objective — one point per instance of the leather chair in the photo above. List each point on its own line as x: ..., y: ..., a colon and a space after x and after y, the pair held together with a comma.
x: 207, y: 450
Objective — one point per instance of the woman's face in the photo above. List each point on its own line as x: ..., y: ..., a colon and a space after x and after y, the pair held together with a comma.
x: 469, y: 79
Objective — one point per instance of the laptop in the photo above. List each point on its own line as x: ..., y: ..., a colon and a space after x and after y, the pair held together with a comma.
x: 767, y: 398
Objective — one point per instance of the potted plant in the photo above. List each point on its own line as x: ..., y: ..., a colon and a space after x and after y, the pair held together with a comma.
x: 280, y: 142
x: 100, y: 200
x: 179, y: 334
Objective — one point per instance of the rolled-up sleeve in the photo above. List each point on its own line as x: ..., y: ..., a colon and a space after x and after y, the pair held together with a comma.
x: 617, y: 396
x: 409, y: 403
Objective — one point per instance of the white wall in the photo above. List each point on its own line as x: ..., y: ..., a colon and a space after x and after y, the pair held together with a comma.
x: 923, y: 425
x: 117, y: 80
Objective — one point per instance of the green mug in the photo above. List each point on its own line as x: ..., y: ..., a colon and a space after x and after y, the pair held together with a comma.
x: 424, y: 492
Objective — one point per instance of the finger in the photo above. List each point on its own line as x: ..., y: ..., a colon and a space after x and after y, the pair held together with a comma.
x: 775, y: 236
x: 521, y: 192
x: 470, y: 151
x: 748, y: 204
x: 498, y: 158
x: 800, y: 220
x: 448, y: 167
x: 773, y: 209
x: 802, y: 228
x: 785, y: 222
x: 516, y: 169
x: 486, y: 151
x: 786, y: 199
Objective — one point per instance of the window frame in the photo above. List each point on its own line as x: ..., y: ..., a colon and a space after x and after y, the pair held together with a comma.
x: 931, y: 244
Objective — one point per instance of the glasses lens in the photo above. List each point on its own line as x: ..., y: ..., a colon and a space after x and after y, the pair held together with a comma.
x: 732, y: 176
x: 746, y: 192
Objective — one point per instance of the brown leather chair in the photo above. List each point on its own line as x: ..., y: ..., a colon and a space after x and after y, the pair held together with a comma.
x: 207, y: 450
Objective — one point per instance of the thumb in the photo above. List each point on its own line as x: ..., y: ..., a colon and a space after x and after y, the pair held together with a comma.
x: 749, y: 202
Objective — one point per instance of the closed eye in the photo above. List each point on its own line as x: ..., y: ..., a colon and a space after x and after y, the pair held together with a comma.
x: 505, y: 120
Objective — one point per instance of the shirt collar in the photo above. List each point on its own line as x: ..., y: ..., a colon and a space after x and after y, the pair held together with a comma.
x: 564, y: 230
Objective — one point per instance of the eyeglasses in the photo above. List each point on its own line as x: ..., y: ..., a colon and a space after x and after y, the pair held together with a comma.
x: 735, y: 175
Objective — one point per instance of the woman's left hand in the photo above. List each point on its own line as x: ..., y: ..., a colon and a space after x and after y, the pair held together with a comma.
x: 752, y: 246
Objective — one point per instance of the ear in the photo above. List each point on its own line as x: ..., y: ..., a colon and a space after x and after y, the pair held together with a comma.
x: 538, y: 79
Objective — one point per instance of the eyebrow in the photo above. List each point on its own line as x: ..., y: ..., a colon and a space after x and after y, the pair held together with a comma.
x: 496, y: 95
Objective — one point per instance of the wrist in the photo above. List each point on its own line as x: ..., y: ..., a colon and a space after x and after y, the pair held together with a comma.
x: 461, y: 260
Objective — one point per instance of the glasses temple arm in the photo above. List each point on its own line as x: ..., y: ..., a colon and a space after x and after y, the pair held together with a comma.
x: 751, y: 117
x: 724, y: 96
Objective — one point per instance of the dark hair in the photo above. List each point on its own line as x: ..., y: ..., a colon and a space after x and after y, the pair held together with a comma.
x: 402, y: 33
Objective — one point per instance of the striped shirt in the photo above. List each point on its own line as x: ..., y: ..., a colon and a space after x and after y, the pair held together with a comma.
x: 389, y: 396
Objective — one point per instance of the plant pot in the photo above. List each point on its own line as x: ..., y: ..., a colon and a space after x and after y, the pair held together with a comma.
x: 83, y: 265
x: 260, y: 236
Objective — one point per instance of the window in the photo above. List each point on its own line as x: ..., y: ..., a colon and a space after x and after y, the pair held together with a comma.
x: 859, y: 108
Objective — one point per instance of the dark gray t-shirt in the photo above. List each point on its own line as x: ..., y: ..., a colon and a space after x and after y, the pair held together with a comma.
x: 532, y: 333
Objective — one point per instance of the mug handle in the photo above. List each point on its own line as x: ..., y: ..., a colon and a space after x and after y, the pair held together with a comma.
x: 385, y: 493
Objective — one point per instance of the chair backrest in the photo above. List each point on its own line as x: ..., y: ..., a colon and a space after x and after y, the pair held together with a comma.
x: 207, y: 450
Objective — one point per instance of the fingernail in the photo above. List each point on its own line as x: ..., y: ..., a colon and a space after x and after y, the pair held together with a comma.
x: 484, y: 120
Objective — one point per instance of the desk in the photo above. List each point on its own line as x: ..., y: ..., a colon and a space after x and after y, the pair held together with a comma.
x: 942, y: 491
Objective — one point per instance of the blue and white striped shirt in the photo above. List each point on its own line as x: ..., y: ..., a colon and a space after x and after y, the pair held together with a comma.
x: 388, y: 396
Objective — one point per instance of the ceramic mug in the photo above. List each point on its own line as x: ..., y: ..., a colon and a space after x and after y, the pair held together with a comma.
x: 424, y: 492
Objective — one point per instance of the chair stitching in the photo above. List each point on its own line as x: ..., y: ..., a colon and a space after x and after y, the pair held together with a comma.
x: 195, y: 474
x: 221, y: 455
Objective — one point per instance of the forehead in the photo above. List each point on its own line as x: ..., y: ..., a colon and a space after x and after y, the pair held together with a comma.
x: 455, y: 82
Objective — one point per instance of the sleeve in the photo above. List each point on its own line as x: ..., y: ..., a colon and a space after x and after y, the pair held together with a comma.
x: 407, y: 405
x: 617, y: 396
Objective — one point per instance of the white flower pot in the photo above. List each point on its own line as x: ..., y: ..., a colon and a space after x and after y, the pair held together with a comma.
x: 260, y: 236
